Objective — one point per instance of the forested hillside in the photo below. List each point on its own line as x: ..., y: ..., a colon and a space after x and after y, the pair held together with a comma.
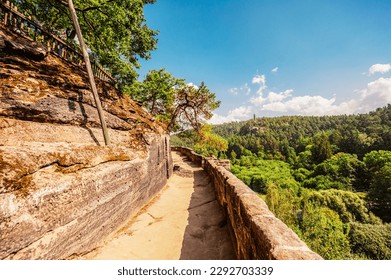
x: 328, y: 178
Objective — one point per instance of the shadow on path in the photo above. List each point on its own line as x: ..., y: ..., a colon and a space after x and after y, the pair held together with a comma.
x: 206, y: 236
x: 184, y: 221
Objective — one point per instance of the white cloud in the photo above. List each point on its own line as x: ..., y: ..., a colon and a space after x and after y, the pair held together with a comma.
x: 271, y: 97
x: 379, y: 68
x: 233, y: 91
x: 240, y: 112
x: 311, y: 106
x: 237, y: 114
x: 218, y: 119
x: 274, y: 70
x: 261, y: 81
x: 274, y: 97
x: 285, y: 102
x: 245, y: 89
x: 192, y: 85
x: 375, y: 95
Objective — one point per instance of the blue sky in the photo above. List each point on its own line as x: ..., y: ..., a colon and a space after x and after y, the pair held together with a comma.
x: 277, y: 57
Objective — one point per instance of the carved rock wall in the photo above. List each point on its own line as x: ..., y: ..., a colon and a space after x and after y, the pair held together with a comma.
x: 256, y: 233
x: 61, y: 190
x: 56, y: 212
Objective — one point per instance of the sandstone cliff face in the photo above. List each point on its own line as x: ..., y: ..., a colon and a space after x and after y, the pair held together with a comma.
x: 61, y: 190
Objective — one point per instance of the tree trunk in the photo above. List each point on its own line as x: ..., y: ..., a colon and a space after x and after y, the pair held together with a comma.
x: 89, y: 71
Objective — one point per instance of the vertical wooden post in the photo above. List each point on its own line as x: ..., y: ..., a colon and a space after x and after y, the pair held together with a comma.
x: 6, y: 19
x: 10, y: 18
x: 7, y: 3
x: 89, y: 71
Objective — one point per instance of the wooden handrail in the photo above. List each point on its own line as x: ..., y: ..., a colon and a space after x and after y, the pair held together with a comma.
x: 15, y: 21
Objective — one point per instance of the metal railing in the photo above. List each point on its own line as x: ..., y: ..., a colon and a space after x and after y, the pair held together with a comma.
x: 15, y: 21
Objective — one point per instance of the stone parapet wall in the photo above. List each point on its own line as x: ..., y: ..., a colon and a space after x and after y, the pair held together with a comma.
x: 255, y: 231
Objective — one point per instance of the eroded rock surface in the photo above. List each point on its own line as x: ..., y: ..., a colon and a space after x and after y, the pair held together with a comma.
x: 61, y: 190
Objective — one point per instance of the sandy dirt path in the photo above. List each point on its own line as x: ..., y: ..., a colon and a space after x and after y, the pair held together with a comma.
x: 184, y: 221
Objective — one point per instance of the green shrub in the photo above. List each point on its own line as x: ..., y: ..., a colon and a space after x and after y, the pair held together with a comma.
x: 324, y: 232
x: 284, y: 204
x: 349, y: 205
x: 371, y: 241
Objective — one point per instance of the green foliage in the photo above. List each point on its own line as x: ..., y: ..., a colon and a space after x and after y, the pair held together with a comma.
x: 233, y: 155
x: 259, y: 174
x: 284, y: 203
x: 349, y: 205
x: 180, y: 141
x: 156, y: 93
x: 305, y: 160
x: 115, y: 31
x: 376, y: 160
x: 321, y: 149
x: 324, y: 232
x: 288, y: 153
x: 371, y: 241
x: 319, y: 226
x: 301, y: 174
x: 205, y: 142
x: 175, y: 104
x: 322, y: 182
x: 343, y: 132
x: 193, y: 106
x: 341, y: 171
x: 380, y: 193
x: 210, y: 143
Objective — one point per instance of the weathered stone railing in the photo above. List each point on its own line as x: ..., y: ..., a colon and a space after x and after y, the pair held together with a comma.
x: 255, y: 231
